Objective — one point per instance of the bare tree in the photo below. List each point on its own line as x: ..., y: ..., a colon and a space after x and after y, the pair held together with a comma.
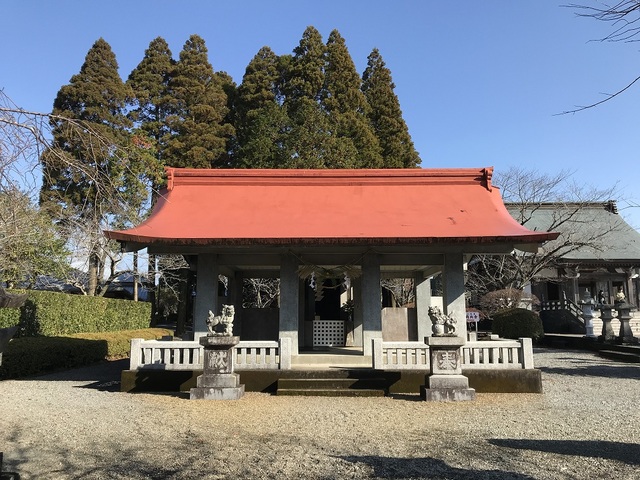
x: 624, y: 16
x: 25, y: 140
x: 542, y: 202
x: 260, y: 292
x: 401, y: 289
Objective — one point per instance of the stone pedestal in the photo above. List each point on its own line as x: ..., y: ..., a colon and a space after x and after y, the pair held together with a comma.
x: 218, y: 382
x: 606, y: 316
x: 624, y: 315
x: 446, y: 382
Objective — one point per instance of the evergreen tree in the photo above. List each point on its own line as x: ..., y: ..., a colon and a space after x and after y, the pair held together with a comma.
x: 347, y: 107
x: 90, y: 170
x: 199, y: 131
x: 151, y: 104
x: 386, y: 117
x: 309, y: 140
x: 260, y: 118
x: 231, y: 91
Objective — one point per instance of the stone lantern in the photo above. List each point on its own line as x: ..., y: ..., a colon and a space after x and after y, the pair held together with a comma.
x: 606, y: 315
x: 587, y: 304
x: 624, y: 315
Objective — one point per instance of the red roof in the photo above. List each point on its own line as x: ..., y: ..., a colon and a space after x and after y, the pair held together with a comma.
x: 412, y: 206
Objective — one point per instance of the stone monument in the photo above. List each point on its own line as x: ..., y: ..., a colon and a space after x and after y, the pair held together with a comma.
x: 445, y: 383
x: 218, y: 381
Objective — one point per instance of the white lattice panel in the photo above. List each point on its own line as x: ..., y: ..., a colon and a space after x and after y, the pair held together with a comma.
x: 328, y: 333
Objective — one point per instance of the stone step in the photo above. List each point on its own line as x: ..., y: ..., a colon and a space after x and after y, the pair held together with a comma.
x: 346, y: 361
x: 624, y: 348
x: 331, y: 392
x: 332, y: 383
x: 620, y: 356
x: 332, y: 372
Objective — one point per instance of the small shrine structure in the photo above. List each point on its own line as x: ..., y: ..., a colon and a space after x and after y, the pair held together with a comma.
x: 360, y: 224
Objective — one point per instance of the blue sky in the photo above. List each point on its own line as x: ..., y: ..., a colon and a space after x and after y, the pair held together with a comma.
x: 479, y: 82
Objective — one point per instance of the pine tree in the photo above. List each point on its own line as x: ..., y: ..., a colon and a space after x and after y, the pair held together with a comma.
x: 347, y: 107
x: 87, y: 172
x: 199, y: 132
x: 386, y: 117
x: 260, y: 118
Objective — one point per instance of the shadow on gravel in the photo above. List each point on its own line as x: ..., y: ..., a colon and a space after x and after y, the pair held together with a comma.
x: 590, y: 370
x: 409, y: 397
x: 102, y: 371
x: 391, y: 467
x: 628, y: 453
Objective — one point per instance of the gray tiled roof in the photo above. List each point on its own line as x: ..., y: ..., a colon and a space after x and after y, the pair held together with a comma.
x: 611, y: 238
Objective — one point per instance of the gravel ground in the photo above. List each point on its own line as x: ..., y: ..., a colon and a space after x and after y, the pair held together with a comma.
x: 76, y: 424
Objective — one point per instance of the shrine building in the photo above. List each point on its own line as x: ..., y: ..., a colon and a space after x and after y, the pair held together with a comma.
x: 306, y: 227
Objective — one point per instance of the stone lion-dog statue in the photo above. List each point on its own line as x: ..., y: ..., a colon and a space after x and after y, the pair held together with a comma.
x: 221, y: 325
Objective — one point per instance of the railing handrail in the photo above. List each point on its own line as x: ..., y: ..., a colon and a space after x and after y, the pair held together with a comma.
x: 563, y: 304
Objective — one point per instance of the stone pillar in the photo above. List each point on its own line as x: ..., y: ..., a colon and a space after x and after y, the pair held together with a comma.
x: 235, y: 297
x: 289, y: 300
x: 606, y: 316
x: 446, y: 382
x: 206, y: 293
x: 218, y: 381
x: 453, y: 283
x: 371, y: 301
x: 586, y: 304
x: 423, y: 302
x: 624, y: 315
x: 357, y: 311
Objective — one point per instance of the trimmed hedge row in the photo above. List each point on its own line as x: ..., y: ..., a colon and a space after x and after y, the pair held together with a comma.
x: 53, y: 314
x: 28, y: 356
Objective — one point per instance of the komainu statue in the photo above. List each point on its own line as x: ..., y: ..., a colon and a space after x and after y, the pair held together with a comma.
x: 442, y: 324
x: 221, y: 325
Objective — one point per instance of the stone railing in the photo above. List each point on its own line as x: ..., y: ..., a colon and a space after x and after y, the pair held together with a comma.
x: 400, y: 355
x: 486, y: 355
x: 187, y: 355
x: 263, y: 355
x: 498, y: 354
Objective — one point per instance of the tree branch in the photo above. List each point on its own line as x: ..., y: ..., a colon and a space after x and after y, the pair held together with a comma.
x: 609, y: 97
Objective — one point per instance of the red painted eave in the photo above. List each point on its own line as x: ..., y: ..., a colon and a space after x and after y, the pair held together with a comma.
x: 281, y: 207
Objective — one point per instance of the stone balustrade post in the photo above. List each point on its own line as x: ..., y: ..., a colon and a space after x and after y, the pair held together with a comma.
x: 135, y: 357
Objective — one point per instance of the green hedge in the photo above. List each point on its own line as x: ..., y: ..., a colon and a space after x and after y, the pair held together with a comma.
x: 9, y: 317
x: 54, y: 314
x: 518, y: 322
x: 28, y: 356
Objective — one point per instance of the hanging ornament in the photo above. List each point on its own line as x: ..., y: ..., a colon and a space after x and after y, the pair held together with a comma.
x: 347, y: 281
x: 312, y: 280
